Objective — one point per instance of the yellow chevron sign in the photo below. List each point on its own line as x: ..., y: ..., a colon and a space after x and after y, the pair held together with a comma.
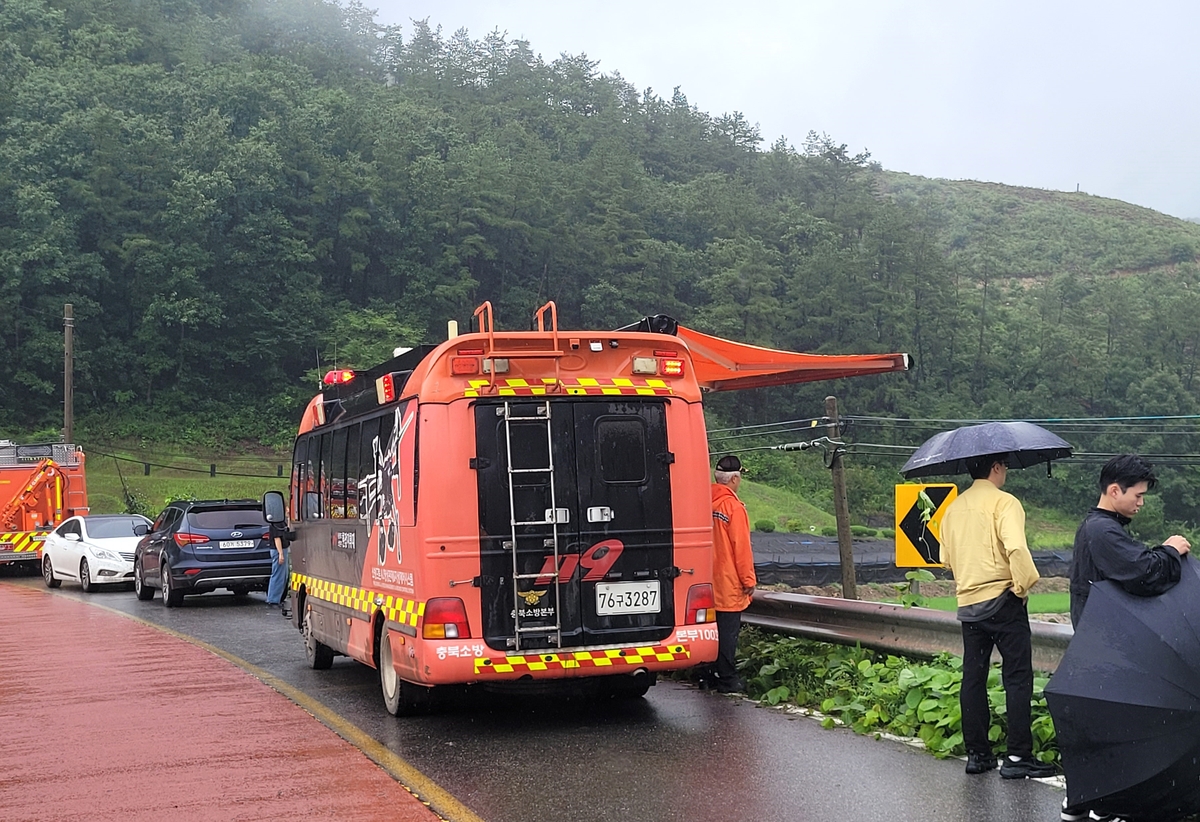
x: 919, y: 510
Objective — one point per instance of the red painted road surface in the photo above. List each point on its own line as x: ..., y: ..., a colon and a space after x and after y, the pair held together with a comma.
x: 104, y: 718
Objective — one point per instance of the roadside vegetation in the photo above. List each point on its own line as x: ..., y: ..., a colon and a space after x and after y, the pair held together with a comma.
x: 876, y: 693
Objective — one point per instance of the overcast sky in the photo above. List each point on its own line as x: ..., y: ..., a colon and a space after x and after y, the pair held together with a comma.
x: 1097, y: 94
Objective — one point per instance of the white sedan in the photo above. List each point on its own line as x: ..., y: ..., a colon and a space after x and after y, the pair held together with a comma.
x: 92, y: 550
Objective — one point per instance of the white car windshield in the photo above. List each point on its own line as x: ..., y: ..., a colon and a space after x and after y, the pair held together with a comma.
x: 112, y: 528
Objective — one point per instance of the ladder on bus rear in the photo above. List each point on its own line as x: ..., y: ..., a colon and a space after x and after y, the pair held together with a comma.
x: 554, y: 516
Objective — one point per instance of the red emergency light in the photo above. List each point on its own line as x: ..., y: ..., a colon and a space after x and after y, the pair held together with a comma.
x: 340, y: 376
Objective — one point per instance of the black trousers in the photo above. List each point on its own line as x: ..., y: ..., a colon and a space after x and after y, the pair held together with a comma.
x: 1007, y: 630
x: 729, y: 625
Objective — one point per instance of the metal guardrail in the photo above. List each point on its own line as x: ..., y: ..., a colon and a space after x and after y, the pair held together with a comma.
x: 884, y: 626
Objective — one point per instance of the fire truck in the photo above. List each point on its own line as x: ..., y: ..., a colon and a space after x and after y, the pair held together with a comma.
x: 40, y: 486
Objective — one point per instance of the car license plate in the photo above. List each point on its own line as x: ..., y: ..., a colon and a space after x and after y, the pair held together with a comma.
x: 627, y: 598
x: 237, y: 543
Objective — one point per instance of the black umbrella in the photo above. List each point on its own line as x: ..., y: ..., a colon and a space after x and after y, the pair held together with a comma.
x: 1126, y: 702
x: 948, y: 452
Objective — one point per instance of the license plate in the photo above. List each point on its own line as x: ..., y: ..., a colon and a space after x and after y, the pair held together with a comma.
x: 237, y: 543
x: 627, y: 598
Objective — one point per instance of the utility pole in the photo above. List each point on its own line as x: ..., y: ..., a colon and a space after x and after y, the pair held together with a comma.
x: 68, y: 373
x: 841, y: 507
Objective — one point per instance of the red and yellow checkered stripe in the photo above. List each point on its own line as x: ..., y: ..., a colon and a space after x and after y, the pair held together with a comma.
x: 616, y: 386
x: 28, y: 543
x: 608, y: 658
x: 396, y: 609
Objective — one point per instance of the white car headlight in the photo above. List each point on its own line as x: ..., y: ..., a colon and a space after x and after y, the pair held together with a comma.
x: 104, y: 553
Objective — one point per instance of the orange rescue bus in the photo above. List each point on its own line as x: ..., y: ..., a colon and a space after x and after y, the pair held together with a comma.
x: 509, y: 507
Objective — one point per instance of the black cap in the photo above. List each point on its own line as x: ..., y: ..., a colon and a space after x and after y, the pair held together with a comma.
x: 729, y: 463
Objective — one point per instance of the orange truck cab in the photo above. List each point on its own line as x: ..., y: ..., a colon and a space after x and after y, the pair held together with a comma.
x: 40, y: 486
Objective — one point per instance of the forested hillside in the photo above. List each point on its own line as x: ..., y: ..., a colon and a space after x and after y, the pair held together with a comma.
x: 236, y: 195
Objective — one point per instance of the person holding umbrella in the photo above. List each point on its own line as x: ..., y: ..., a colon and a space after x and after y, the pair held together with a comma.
x: 984, y: 546
x: 1104, y: 550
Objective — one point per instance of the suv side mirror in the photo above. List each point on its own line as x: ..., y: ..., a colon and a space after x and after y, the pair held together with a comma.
x: 274, y: 509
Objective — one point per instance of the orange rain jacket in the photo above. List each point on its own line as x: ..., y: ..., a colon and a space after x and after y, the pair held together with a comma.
x: 733, y: 560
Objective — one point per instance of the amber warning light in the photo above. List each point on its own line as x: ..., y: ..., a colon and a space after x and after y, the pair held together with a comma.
x: 340, y: 377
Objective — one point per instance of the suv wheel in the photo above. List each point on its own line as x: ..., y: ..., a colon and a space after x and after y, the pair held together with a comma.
x: 48, y: 573
x: 144, y: 592
x: 85, y: 576
x: 170, y: 596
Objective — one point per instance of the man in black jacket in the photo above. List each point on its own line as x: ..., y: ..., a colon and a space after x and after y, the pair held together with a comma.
x: 1104, y: 550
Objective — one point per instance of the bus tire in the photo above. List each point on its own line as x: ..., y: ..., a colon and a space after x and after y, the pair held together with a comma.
x: 320, y: 655
x: 48, y: 573
x: 399, y: 697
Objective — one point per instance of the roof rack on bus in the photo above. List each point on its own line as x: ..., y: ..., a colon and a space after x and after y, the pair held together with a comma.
x: 487, y: 326
x: 523, y: 348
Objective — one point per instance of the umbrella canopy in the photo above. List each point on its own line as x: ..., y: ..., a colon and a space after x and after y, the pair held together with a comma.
x: 948, y: 452
x: 1126, y: 702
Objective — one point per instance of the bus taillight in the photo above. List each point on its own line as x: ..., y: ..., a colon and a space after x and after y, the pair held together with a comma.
x: 700, y: 605
x: 446, y: 618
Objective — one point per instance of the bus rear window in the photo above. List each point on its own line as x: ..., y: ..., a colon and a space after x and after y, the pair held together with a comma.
x: 621, y: 450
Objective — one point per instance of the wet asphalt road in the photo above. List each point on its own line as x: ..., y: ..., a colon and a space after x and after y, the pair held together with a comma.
x: 678, y: 754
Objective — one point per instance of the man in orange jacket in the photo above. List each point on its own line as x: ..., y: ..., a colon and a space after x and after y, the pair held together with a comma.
x: 733, y: 569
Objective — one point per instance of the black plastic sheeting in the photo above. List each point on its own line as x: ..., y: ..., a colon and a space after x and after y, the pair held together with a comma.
x: 801, y: 559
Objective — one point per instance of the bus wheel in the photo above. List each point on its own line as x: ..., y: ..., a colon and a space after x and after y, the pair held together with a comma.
x: 48, y: 573
x: 401, y: 698
x: 320, y: 655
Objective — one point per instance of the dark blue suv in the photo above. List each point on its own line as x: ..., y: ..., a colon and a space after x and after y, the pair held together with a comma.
x: 198, y: 546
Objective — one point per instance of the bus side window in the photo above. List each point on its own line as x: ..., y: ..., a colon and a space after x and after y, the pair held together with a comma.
x: 366, y: 463
x: 326, y: 474
x: 312, y: 505
x: 337, y: 476
x: 352, y: 474
x: 300, y: 475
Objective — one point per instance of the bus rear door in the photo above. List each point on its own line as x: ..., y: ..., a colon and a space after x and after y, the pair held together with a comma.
x: 576, y: 524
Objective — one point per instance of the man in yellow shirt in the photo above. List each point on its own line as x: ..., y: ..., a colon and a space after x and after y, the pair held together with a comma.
x: 983, y: 545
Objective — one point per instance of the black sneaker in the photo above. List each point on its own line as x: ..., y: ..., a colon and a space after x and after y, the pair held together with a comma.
x: 1026, y: 768
x: 980, y: 763
x: 1075, y: 813
x: 286, y: 612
